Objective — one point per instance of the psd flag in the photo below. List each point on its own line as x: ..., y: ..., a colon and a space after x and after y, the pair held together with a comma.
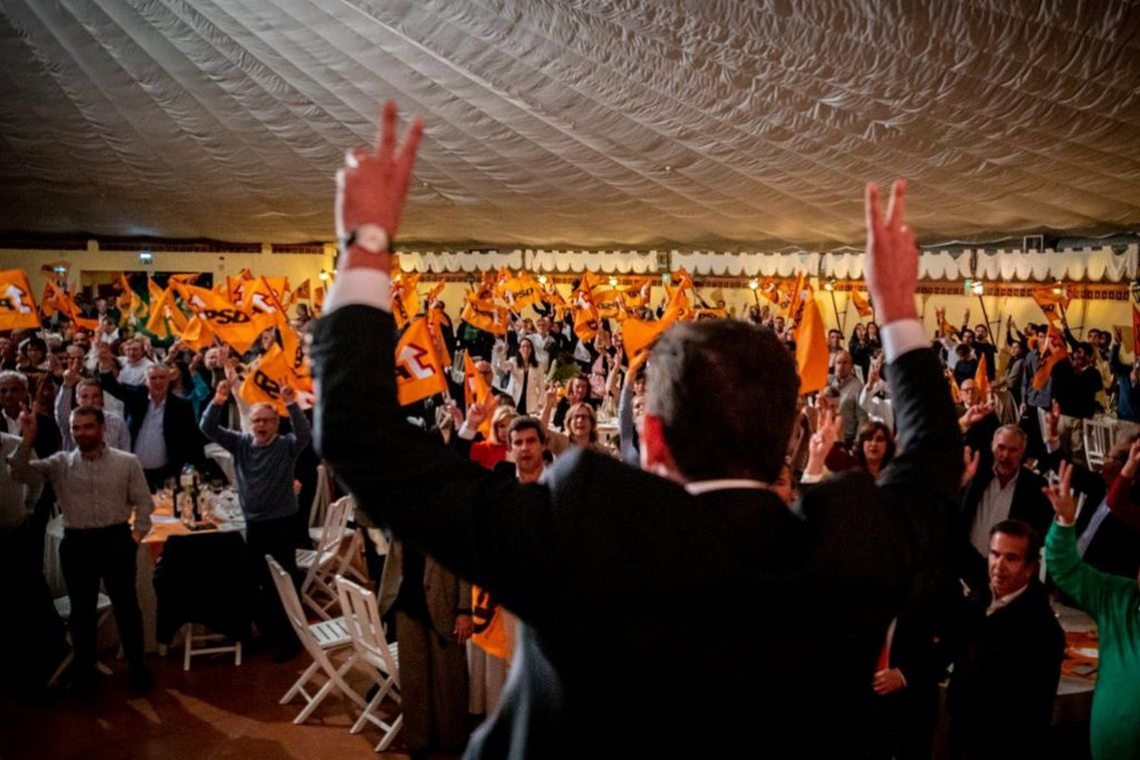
x: 586, y: 317
x: 17, y: 307
x: 521, y: 291
x: 1056, y: 351
x: 419, y: 373
x: 266, y: 379
x: 231, y: 324
x: 405, y: 300
x: 1052, y: 299
x: 484, y: 314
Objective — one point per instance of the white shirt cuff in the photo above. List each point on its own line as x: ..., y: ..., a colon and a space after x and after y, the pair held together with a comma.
x: 1064, y: 524
x: 806, y: 478
x: 901, y: 336
x: 361, y: 285
x: 1052, y: 446
x: 465, y: 432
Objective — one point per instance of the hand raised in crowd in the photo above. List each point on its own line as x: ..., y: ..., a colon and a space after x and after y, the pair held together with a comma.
x: 288, y: 395
x: 888, y: 681
x: 464, y: 627
x: 29, y: 426
x: 1061, y: 495
x: 456, y: 415
x: 551, y: 395
x: 970, y: 460
x: 1118, y: 335
x: 476, y: 416
x: 372, y: 188
x: 1133, y: 464
x: 822, y: 441
x: 975, y: 414
x: 1053, y: 423
x: 71, y: 376
x: 892, y: 257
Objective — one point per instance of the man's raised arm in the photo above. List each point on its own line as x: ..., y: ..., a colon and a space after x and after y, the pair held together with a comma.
x: 929, y: 467
x: 488, y: 530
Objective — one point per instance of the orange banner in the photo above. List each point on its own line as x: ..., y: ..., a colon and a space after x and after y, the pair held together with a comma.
x: 17, y: 306
x: 419, y: 372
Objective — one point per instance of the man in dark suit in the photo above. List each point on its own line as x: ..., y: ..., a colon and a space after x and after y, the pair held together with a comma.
x: 783, y: 616
x: 164, y: 433
x: 1004, y: 491
x: 1007, y: 648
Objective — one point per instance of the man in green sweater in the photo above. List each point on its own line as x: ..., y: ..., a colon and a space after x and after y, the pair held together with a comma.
x: 1114, y: 602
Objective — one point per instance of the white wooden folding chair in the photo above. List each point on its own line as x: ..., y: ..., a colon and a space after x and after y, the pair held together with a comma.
x: 372, y: 648
x: 317, y: 591
x: 211, y: 643
x: 321, y: 501
x: 322, y: 641
x: 1097, y: 436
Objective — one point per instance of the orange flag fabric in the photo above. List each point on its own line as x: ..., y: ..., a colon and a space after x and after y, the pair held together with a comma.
x: 1056, y: 351
x: 586, y: 317
x: 521, y: 291
x: 419, y: 372
x: 1051, y: 298
x: 17, y: 306
x: 490, y: 631
x: 484, y: 314
x: 793, y: 305
x: 65, y: 304
x: 266, y: 379
x: 861, y: 304
x: 982, y: 378
x: 196, y: 335
x: 230, y: 323
x: 165, y: 316
x: 405, y: 299
x: 811, y: 346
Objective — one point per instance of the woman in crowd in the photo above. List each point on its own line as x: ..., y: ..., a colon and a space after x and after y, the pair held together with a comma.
x: 861, y: 350
x: 581, y: 429
x: 874, y: 447
x: 527, y: 381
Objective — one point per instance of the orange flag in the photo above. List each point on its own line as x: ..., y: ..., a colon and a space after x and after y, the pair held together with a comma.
x: 419, y: 373
x: 1051, y: 298
x: 793, y: 305
x: 484, y: 314
x: 17, y: 307
x: 196, y: 335
x: 165, y: 316
x: 861, y: 304
x: 434, y: 319
x: 610, y: 302
x: 639, y: 335
x: 636, y: 295
x: 811, y: 346
x: 266, y: 379
x: 405, y: 300
x: 304, y: 290
x: 233, y: 325
x: 982, y: 378
x: 586, y: 317
x: 65, y: 304
x: 291, y: 346
x: 476, y: 390
x: 521, y: 291
x: 1056, y: 351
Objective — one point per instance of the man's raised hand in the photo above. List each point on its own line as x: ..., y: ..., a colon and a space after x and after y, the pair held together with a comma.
x: 372, y: 188
x: 1061, y: 496
x: 892, y: 258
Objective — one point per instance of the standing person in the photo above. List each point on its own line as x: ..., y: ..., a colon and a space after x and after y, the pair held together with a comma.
x: 14, y: 398
x: 87, y: 392
x: 596, y: 541
x: 1114, y: 602
x: 163, y: 434
x: 265, y: 463
x: 849, y: 387
x: 1007, y: 648
x: 527, y: 378
x: 98, y: 489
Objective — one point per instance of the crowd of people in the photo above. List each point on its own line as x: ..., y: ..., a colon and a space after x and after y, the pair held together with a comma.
x: 894, y: 520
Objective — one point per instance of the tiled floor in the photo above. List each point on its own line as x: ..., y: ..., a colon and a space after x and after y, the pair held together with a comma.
x: 214, y: 711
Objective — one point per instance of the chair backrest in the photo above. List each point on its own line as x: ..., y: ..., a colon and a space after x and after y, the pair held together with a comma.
x: 289, y: 599
x: 332, y: 533
x: 322, y: 498
x: 1097, y: 436
x: 362, y: 617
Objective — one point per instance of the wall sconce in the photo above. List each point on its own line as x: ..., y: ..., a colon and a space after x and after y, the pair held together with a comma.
x: 754, y: 284
x: 324, y: 276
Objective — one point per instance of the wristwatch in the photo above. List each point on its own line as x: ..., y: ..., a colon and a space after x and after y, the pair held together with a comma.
x: 369, y: 238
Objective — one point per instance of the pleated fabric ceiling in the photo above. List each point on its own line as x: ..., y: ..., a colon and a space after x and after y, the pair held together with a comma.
x: 623, y: 125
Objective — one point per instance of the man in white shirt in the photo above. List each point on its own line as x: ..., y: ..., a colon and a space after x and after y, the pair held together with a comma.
x: 133, y: 363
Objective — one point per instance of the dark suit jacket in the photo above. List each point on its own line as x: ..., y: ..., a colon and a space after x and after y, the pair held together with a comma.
x: 1006, y: 668
x: 1029, y: 505
x: 184, y: 440
x: 632, y: 590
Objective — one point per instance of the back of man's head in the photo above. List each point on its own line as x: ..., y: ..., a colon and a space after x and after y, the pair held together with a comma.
x: 725, y: 393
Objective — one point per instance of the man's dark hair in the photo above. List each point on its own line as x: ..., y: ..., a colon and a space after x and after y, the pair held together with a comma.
x: 1087, y: 349
x: 33, y: 342
x: 519, y: 424
x: 89, y: 411
x: 725, y: 392
x: 1021, y: 529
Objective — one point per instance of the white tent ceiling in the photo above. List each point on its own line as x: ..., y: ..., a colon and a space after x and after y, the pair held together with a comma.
x: 585, y: 123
